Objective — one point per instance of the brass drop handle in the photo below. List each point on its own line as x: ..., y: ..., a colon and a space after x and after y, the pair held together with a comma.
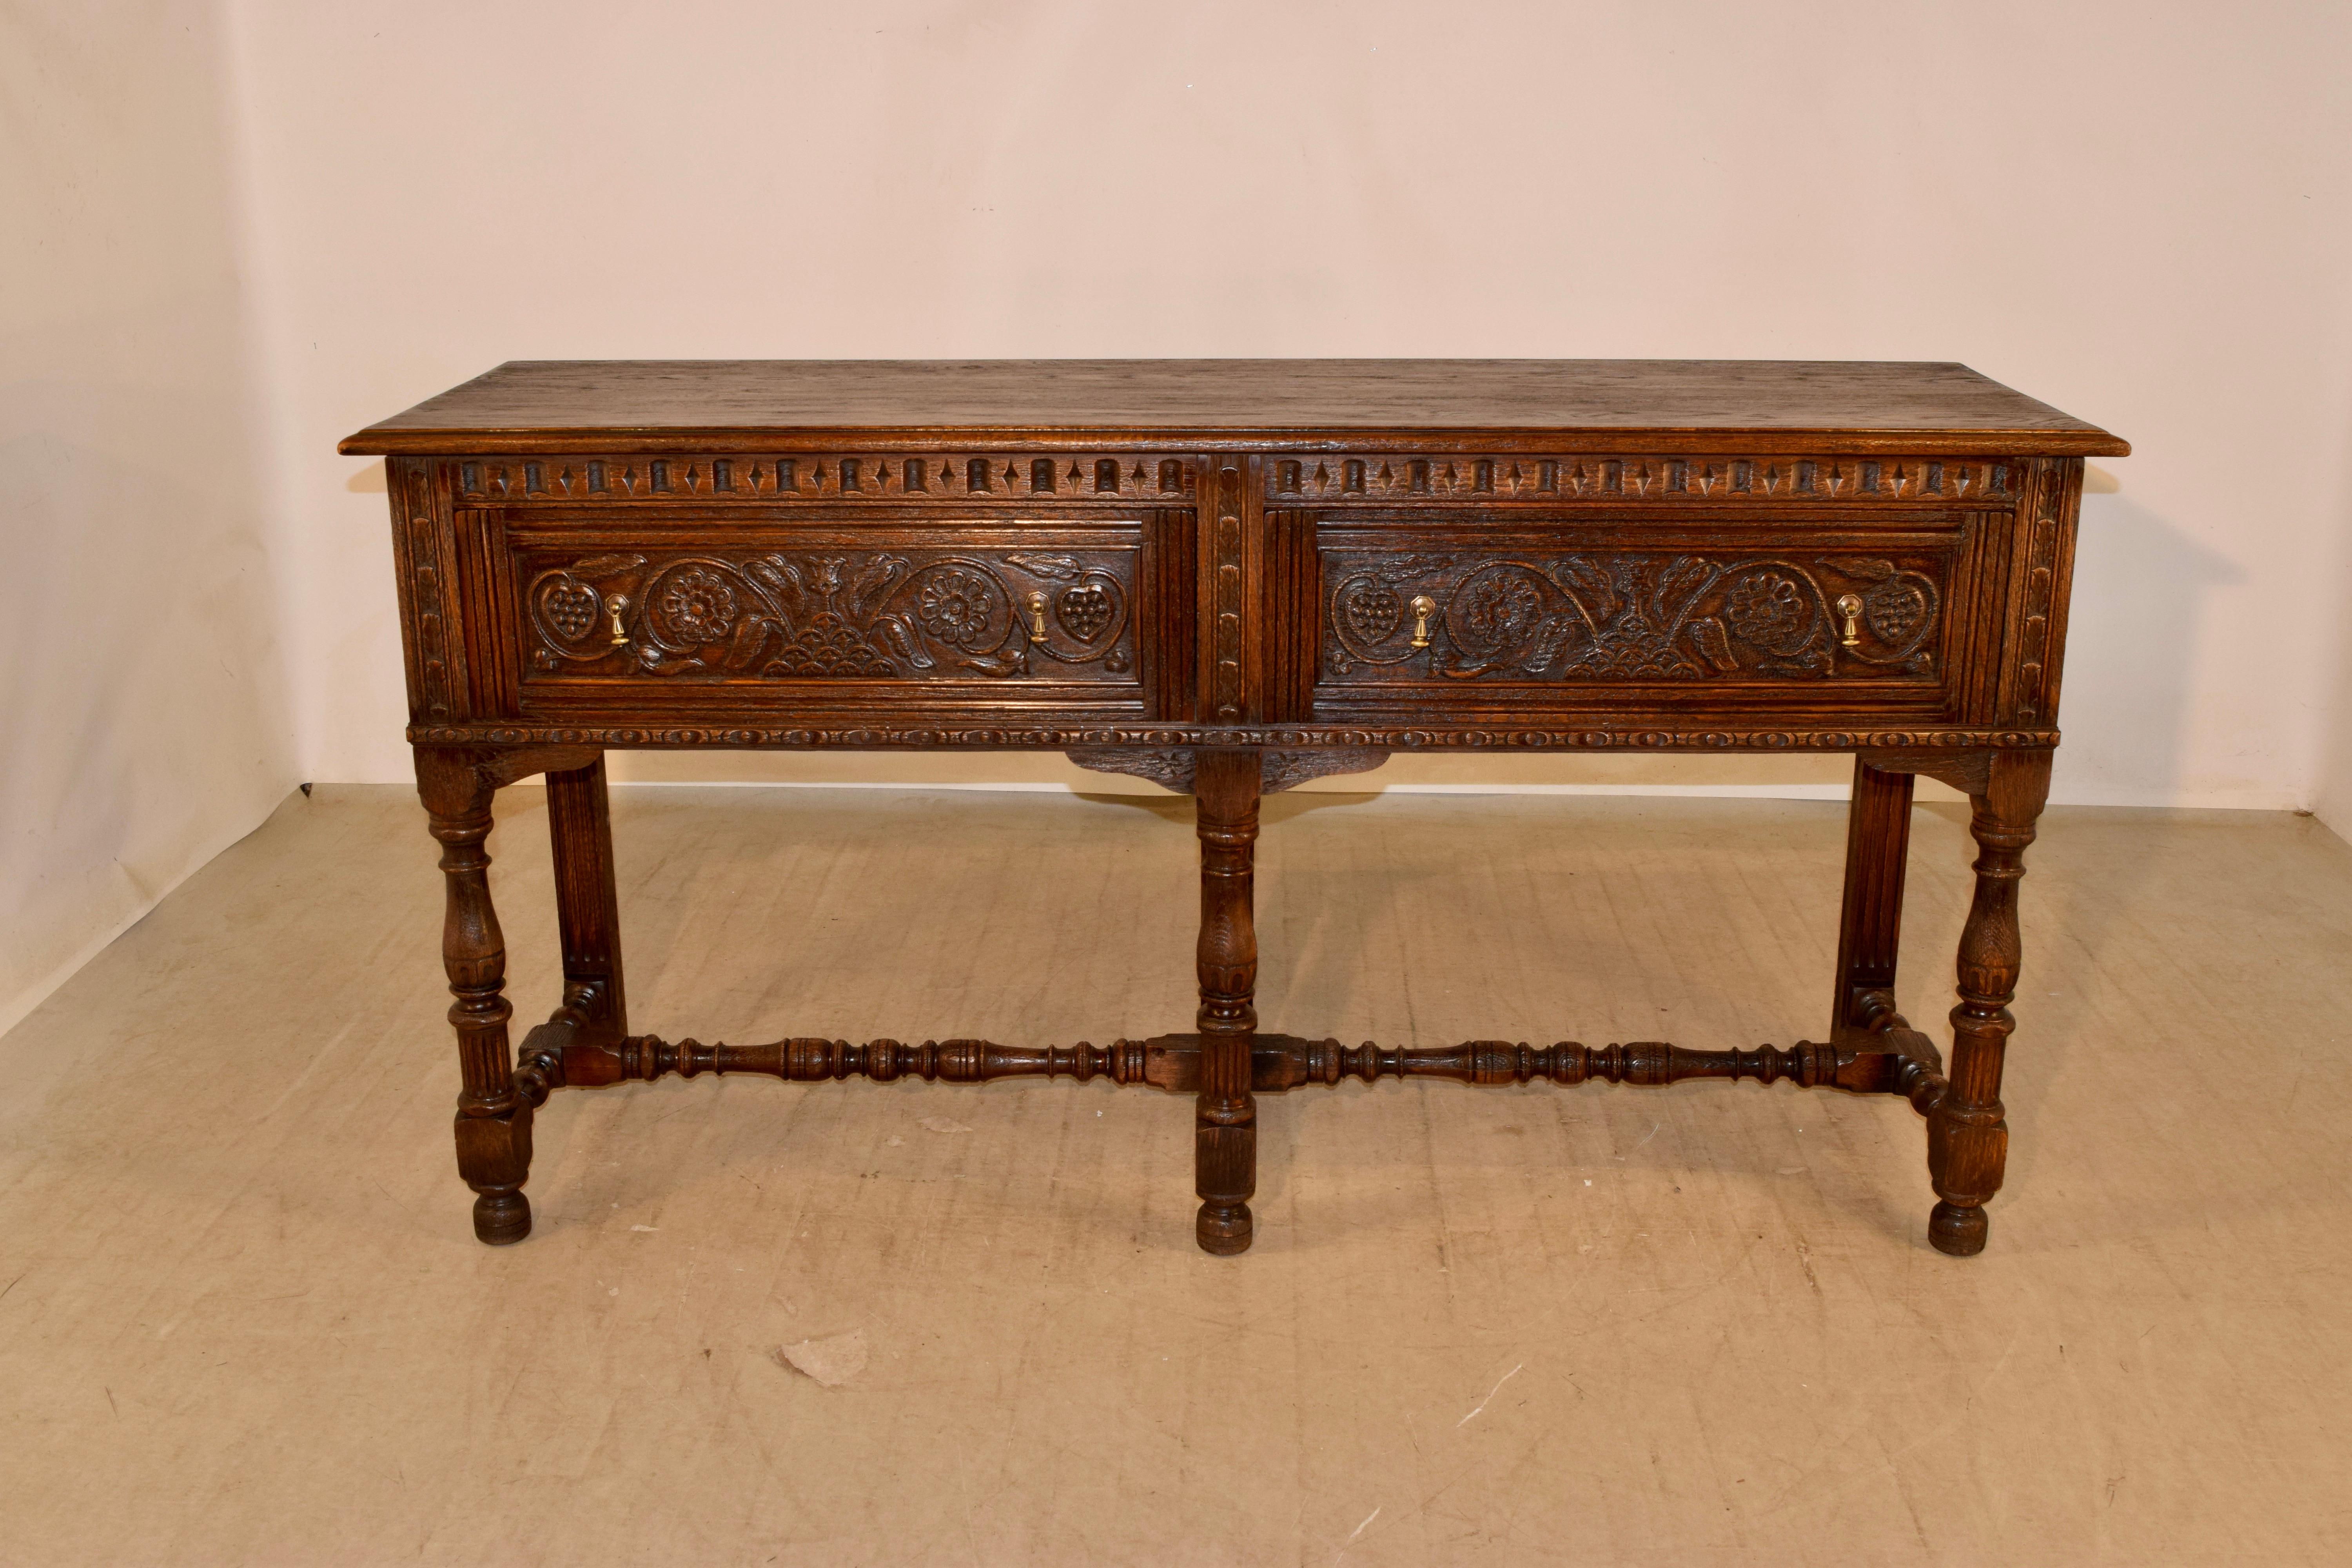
x: 1423, y: 606
x: 620, y: 636
x: 1036, y: 618
x: 1851, y: 608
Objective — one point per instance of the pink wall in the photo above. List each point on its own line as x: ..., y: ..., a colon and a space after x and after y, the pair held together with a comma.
x: 2137, y: 213
x: 145, y: 722
x: 241, y: 228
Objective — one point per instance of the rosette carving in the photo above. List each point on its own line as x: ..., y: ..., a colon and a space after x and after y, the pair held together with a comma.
x: 696, y: 606
x: 957, y: 605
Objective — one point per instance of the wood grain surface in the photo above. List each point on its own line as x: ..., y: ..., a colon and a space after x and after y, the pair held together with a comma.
x: 558, y: 406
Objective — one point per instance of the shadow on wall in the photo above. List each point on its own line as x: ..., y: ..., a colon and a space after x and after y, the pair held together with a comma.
x: 140, y: 677
x: 2141, y: 591
x: 2332, y: 802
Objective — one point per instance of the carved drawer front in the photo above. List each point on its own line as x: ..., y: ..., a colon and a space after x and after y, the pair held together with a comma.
x: 772, y: 618
x: 1527, y: 619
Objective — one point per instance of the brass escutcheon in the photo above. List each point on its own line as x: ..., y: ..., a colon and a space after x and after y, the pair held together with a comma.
x: 620, y: 636
x: 1851, y: 608
x: 1036, y: 618
x: 1423, y: 606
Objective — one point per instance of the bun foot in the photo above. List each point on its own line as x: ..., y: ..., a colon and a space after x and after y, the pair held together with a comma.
x: 1959, y: 1232
x: 501, y: 1219
x: 1224, y: 1232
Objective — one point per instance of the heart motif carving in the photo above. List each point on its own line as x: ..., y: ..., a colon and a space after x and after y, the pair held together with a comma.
x: 1083, y: 610
x: 1373, y: 612
x: 1894, y: 611
x: 570, y: 607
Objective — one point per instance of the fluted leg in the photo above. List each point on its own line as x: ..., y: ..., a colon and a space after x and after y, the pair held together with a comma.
x: 1968, y: 1139
x: 493, y: 1120
x: 1869, y: 925
x: 1225, y: 1156
x: 588, y: 914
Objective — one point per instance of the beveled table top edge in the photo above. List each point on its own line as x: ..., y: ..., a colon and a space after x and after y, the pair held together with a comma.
x: 1503, y: 407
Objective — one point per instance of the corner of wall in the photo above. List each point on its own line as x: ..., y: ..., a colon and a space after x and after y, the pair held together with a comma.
x: 146, y: 704
x: 2332, y: 796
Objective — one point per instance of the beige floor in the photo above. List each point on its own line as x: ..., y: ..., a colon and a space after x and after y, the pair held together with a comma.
x: 242, y: 1317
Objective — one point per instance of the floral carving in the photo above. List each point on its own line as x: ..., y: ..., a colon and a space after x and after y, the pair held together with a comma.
x: 1628, y: 650
x: 867, y: 616
x: 830, y: 646
x: 1631, y: 617
x: 1634, y: 609
x: 698, y: 605
x: 1494, y: 608
x: 955, y: 605
x: 1061, y: 568
x: 1768, y: 609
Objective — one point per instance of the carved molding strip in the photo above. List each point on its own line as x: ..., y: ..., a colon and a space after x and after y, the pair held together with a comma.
x: 1228, y: 564
x: 1165, y: 477
x: 1285, y: 737
x: 1129, y: 476
x: 2041, y: 585
x: 1584, y: 477
x: 431, y: 614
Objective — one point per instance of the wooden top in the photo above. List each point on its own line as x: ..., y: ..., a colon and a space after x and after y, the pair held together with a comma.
x: 619, y: 405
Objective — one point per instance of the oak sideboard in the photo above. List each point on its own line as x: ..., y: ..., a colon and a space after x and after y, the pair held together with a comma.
x: 1230, y: 576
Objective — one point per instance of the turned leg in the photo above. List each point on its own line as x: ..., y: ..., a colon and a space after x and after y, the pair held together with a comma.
x: 1870, y: 926
x: 1224, y: 1155
x: 493, y: 1120
x: 588, y: 914
x: 1967, y: 1140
